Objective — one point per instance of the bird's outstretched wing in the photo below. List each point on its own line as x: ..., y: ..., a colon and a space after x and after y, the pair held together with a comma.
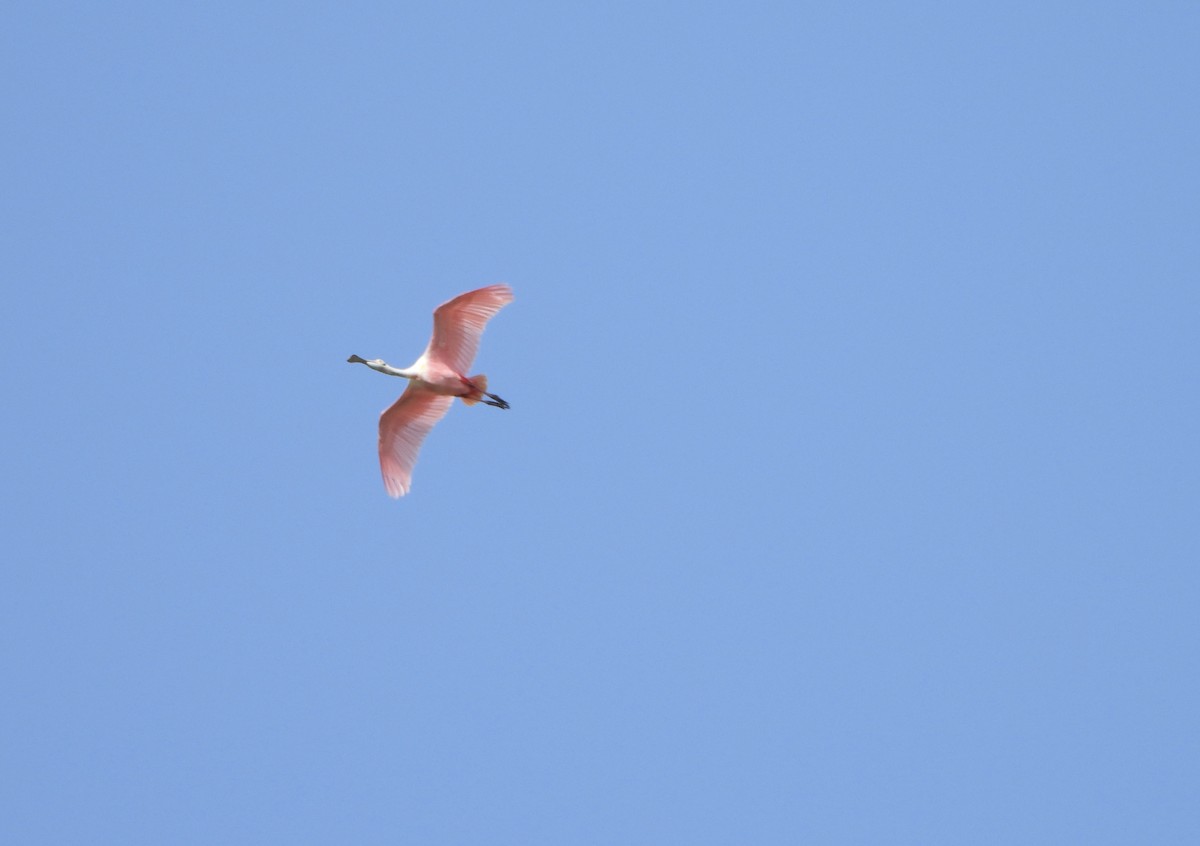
x: 402, y: 428
x: 458, y: 325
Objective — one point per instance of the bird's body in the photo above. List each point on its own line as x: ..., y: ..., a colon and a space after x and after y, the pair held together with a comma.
x: 435, y: 379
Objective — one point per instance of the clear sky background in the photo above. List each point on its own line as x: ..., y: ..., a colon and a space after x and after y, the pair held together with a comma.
x: 850, y: 490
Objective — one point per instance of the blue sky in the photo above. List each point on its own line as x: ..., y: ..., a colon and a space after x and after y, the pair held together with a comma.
x: 849, y: 491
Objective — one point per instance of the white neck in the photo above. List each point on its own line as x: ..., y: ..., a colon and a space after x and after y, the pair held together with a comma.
x: 383, y: 367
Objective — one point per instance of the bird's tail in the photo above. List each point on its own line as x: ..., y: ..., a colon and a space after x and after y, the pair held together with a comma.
x: 478, y: 386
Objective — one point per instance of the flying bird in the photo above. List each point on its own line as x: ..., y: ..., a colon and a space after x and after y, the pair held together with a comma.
x: 436, y: 378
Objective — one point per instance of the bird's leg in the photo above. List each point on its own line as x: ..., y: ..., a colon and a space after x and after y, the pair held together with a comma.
x: 476, y: 394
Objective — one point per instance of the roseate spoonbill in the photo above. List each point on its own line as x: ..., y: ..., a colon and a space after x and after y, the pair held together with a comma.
x: 436, y: 378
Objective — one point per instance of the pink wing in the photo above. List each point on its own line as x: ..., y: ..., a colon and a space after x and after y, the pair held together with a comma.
x: 458, y: 325
x: 401, y: 429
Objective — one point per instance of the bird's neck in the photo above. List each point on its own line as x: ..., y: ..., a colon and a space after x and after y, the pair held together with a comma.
x: 384, y: 367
